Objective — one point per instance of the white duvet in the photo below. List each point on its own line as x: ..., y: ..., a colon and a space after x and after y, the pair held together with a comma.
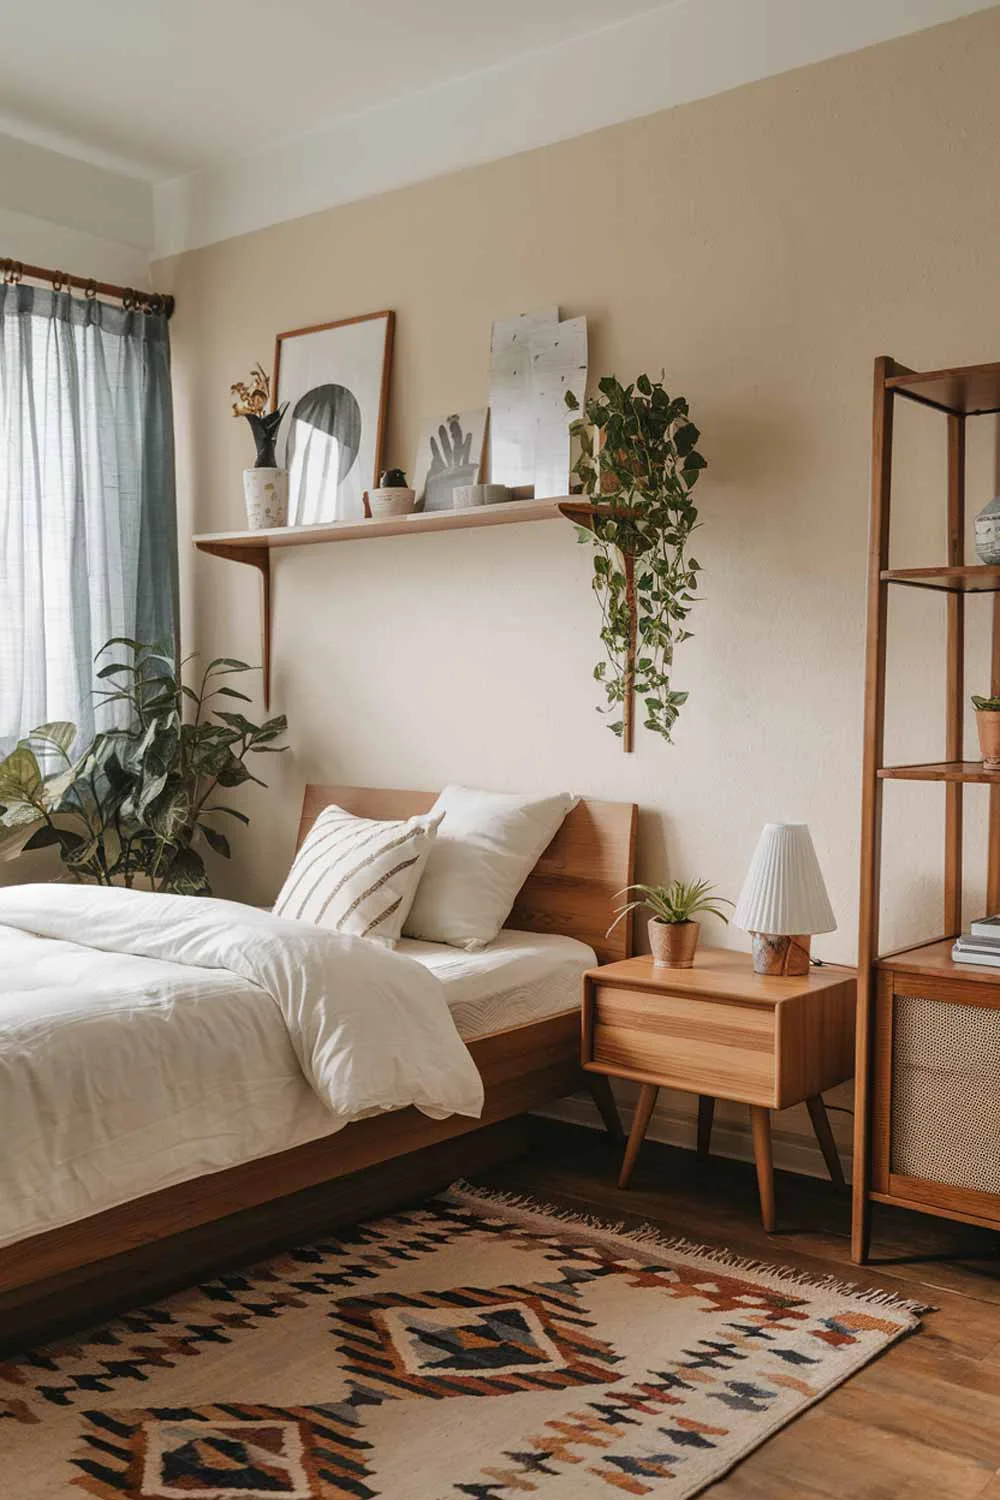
x: 148, y: 1039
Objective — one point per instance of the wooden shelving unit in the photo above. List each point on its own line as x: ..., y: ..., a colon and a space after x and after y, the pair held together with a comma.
x: 889, y: 986
x: 254, y: 548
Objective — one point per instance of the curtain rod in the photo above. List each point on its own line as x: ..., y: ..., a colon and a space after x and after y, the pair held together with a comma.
x: 131, y: 299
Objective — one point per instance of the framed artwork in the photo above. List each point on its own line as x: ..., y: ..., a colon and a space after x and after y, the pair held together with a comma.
x: 450, y: 452
x: 534, y: 359
x: 335, y: 378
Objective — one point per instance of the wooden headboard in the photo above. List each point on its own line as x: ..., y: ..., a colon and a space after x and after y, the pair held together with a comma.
x: 571, y: 889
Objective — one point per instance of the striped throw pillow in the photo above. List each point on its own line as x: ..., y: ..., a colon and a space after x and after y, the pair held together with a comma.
x: 357, y: 875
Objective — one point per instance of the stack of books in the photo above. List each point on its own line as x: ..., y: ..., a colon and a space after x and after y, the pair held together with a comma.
x: 980, y: 945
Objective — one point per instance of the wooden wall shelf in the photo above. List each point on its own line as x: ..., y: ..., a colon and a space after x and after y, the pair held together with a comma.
x: 970, y: 392
x: 944, y: 770
x: 975, y: 579
x: 254, y: 548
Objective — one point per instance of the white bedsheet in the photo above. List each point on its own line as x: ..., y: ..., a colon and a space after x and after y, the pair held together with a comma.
x: 520, y: 977
x: 146, y: 1040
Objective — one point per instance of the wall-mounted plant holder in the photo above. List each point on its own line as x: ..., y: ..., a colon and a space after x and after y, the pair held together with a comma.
x: 638, y: 463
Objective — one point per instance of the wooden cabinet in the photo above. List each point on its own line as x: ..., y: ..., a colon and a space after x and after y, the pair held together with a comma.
x: 935, y: 1086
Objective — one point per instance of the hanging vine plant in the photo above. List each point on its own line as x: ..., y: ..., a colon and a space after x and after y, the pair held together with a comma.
x: 639, y: 463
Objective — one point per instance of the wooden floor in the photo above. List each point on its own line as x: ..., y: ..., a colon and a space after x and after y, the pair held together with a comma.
x: 922, y: 1422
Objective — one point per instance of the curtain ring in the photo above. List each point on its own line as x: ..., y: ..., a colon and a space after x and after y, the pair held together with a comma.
x: 13, y: 270
x: 60, y: 281
x: 129, y: 299
x: 90, y: 290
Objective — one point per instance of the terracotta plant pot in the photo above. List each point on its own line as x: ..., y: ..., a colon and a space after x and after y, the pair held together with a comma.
x: 988, y: 723
x: 673, y: 943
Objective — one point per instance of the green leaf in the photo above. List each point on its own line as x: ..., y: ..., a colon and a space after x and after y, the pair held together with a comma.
x: 60, y: 733
x: 20, y: 777
x: 233, y: 772
x: 216, y: 840
x: 168, y: 817
x: 236, y: 721
x: 185, y: 875
x: 232, y: 812
x: 43, y: 837
x: 228, y: 664
x: 571, y: 401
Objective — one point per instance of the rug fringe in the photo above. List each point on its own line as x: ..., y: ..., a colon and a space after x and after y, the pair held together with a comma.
x: 524, y: 1208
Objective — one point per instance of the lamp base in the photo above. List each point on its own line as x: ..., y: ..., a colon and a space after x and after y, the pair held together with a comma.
x: 773, y: 954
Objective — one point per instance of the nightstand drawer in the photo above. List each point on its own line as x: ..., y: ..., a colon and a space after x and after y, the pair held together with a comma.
x: 699, y: 1045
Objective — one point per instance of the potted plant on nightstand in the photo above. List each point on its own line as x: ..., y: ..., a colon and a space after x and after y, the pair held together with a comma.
x: 673, y: 932
x: 988, y: 724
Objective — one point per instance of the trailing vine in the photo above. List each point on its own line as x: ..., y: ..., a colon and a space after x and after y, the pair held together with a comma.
x: 639, y: 463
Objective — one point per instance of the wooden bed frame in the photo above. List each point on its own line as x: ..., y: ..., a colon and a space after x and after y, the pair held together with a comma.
x: 163, y: 1238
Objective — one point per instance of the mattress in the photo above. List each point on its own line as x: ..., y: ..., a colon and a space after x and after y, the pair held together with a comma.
x: 519, y: 978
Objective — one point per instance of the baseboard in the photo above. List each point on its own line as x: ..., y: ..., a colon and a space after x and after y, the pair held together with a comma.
x: 676, y: 1126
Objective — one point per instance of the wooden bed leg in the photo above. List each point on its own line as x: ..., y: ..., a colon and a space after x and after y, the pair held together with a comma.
x: 603, y: 1095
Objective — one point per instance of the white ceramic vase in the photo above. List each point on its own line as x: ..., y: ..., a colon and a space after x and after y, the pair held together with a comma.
x: 988, y: 533
x: 266, y: 494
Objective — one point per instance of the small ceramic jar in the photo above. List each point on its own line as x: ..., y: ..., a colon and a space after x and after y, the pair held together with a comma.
x: 988, y: 533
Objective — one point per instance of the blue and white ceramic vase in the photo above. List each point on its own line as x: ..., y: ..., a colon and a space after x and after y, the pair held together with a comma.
x: 988, y: 533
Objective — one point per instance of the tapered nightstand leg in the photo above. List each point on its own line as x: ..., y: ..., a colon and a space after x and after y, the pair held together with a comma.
x: 706, y: 1114
x: 640, y: 1120
x: 827, y: 1144
x: 760, y: 1123
x: 603, y: 1096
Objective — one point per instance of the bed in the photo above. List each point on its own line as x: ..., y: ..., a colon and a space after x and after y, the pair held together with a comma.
x: 516, y: 1007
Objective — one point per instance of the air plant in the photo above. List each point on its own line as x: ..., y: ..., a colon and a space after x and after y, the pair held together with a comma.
x: 675, y: 903
x: 252, y: 401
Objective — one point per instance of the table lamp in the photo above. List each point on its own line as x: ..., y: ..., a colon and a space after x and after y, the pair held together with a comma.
x: 783, y: 900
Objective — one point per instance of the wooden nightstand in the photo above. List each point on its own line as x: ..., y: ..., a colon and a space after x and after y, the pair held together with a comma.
x: 723, y: 1032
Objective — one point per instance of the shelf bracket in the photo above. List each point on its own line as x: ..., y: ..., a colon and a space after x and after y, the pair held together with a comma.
x: 259, y: 558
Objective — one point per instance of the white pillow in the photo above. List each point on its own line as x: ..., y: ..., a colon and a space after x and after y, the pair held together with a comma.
x: 357, y: 875
x: 486, y: 848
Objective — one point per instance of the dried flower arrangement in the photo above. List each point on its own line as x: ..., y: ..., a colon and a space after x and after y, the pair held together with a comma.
x: 251, y: 403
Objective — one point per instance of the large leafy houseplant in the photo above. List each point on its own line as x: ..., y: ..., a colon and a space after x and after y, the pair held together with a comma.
x: 140, y: 801
x: 639, y: 463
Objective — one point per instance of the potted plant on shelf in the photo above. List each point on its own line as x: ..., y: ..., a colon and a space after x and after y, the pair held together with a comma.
x: 673, y: 932
x: 392, y: 496
x: 988, y: 724
x: 265, y: 486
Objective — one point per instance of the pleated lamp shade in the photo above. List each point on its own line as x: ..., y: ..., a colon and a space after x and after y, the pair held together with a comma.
x: 784, y: 891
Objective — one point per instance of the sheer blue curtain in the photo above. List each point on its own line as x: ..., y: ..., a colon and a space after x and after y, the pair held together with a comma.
x: 88, y: 525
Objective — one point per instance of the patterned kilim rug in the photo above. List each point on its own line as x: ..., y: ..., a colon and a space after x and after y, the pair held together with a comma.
x: 473, y: 1348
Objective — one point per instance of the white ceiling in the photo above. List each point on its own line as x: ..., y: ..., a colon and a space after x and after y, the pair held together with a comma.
x: 216, y: 118
x: 166, y: 87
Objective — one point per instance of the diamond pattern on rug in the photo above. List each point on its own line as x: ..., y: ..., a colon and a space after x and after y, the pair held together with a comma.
x: 472, y: 1341
x: 220, y: 1453
x: 448, y: 1341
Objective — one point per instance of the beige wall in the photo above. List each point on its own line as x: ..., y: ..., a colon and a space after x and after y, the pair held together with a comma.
x: 761, y: 247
